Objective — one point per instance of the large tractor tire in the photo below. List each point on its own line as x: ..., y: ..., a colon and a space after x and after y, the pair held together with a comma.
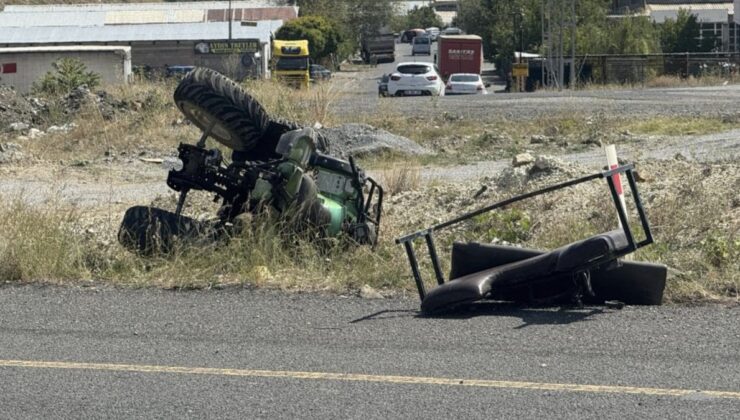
x: 208, y: 98
x: 211, y: 100
x: 149, y: 230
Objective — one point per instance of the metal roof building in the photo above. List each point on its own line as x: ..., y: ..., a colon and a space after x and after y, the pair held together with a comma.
x: 717, y: 18
x: 710, y: 12
x: 160, y: 34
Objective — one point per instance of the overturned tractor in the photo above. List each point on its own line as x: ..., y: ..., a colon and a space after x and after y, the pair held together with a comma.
x: 275, y: 165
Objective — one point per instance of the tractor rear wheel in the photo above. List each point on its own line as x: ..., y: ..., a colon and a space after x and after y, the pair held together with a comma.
x: 212, y: 101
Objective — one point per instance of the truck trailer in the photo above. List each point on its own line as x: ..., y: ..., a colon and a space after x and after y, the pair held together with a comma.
x: 459, y: 54
x: 378, y: 47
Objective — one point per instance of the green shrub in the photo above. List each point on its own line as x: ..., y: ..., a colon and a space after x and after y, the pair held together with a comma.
x: 508, y: 225
x: 719, y: 250
x: 68, y: 74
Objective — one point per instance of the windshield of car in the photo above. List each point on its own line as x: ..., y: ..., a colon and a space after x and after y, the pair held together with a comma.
x: 413, y: 69
x: 292, y: 63
x: 421, y: 40
x: 464, y: 78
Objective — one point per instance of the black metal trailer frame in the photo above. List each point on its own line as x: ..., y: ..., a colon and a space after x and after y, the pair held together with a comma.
x: 610, y: 175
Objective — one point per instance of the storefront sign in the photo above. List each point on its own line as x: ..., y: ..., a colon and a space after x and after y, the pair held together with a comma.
x: 234, y: 47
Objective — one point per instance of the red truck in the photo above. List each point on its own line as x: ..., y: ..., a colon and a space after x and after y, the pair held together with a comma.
x: 459, y: 54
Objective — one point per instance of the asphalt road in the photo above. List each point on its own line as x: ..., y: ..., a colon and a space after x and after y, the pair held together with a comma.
x: 89, y: 353
x: 360, y: 98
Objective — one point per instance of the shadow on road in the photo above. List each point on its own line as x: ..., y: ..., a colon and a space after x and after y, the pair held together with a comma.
x: 387, y: 314
x: 529, y: 316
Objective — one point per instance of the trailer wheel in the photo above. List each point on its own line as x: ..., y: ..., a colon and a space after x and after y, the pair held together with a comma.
x: 211, y: 100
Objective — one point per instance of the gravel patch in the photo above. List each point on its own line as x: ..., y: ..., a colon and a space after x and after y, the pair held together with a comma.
x: 721, y: 101
x: 360, y: 140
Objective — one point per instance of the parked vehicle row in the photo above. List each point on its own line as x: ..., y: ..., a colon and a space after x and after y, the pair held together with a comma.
x: 456, y: 69
x: 433, y: 33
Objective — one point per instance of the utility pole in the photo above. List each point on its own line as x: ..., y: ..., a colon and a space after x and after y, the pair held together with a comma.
x: 521, y: 35
x: 572, y: 43
x: 543, y: 61
x: 230, y: 22
x: 561, y: 61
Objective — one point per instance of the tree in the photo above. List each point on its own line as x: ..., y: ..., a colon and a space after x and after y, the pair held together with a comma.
x: 632, y: 35
x: 495, y: 21
x: 422, y: 17
x: 504, y: 26
x: 351, y: 18
x: 682, y: 35
x: 323, y: 36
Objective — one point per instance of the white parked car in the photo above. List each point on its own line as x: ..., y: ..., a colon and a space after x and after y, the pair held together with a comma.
x: 433, y: 32
x: 452, y: 31
x: 465, y: 84
x: 415, y: 79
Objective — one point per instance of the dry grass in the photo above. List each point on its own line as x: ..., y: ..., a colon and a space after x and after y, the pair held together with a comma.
x: 307, y: 106
x: 682, y: 126
x: 695, y: 225
x: 691, y: 81
x: 666, y: 81
x: 400, y: 178
x: 51, y: 243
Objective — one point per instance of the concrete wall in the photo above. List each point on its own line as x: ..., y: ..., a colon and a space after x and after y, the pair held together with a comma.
x: 22, y: 67
x: 163, y: 53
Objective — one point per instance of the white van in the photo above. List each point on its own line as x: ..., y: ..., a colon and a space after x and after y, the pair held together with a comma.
x: 421, y: 44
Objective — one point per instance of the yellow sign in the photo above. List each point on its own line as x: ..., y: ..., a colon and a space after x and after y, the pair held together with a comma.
x: 520, y: 70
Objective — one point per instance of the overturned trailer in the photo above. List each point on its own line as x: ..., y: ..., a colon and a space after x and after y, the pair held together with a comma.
x: 589, y: 270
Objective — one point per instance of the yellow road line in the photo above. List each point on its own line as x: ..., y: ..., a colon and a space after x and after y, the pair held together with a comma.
x: 327, y: 376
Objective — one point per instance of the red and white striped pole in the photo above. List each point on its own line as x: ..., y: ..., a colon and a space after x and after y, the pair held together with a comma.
x: 613, y: 163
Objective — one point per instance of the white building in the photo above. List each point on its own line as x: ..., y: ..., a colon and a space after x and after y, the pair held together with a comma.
x: 217, y: 34
x: 20, y: 67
